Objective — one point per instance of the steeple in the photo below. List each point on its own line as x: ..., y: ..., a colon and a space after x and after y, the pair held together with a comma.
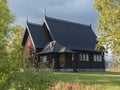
x: 44, y: 13
x: 27, y: 19
x: 91, y: 23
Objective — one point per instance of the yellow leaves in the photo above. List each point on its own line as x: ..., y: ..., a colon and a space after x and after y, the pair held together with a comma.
x: 103, y: 5
x: 111, y: 1
x: 15, y: 38
x: 108, y: 24
x: 6, y: 18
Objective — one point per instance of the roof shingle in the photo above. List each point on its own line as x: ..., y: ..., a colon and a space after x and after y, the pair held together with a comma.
x: 39, y: 36
x: 72, y: 35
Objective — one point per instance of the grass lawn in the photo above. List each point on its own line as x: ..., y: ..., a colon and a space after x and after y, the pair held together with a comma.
x: 107, y: 80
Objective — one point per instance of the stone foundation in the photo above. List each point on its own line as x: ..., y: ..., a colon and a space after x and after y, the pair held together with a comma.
x: 80, y: 70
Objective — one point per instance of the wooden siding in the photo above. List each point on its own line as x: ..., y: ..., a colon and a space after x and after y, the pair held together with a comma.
x: 28, y: 48
x: 91, y: 64
x: 76, y: 63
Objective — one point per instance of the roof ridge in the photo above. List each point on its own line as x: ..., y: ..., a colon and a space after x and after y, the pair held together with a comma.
x: 48, y: 28
x: 67, y: 21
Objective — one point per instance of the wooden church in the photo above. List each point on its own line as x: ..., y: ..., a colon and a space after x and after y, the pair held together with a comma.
x: 70, y: 45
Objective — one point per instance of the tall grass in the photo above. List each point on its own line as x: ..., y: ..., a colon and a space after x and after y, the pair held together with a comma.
x: 75, y: 86
x: 98, y: 80
x: 32, y: 80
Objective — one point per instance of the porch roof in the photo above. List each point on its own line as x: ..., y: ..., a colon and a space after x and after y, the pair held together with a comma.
x: 54, y: 47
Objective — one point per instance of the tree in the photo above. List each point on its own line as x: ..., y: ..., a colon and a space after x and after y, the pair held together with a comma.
x: 14, y: 47
x: 13, y: 60
x: 6, y: 18
x: 15, y: 39
x: 108, y: 25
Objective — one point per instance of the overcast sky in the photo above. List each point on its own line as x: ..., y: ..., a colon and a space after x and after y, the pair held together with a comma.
x: 80, y: 11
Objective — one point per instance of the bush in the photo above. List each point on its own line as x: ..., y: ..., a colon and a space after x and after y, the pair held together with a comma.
x: 32, y: 80
x: 8, y: 68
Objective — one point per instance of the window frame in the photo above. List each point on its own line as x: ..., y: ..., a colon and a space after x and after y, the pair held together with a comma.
x: 84, y: 57
x: 72, y: 57
x: 44, y: 59
x: 97, y: 58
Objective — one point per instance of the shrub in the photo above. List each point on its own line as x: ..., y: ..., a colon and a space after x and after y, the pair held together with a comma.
x: 32, y: 80
x: 8, y: 68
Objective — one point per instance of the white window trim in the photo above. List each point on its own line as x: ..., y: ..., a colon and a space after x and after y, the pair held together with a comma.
x: 84, y: 57
x: 97, y: 58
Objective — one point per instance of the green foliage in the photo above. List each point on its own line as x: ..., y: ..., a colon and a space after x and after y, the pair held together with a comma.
x: 7, y: 70
x: 13, y: 56
x: 32, y: 80
x: 31, y: 61
x: 108, y: 24
x: 6, y: 18
x: 7, y: 67
x: 13, y: 46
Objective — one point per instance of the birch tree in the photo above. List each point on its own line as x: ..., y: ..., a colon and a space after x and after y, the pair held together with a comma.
x: 108, y: 25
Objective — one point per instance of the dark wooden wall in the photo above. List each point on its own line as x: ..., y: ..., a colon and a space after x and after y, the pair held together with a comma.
x: 91, y: 64
x: 76, y: 63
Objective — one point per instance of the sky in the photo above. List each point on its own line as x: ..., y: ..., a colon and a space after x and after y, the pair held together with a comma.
x: 80, y: 11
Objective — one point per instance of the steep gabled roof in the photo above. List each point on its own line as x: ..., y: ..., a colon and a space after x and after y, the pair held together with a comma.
x: 38, y: 35
x: 72, y: 35
x: 54, y: 47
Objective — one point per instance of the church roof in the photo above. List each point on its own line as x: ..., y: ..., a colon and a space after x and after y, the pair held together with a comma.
x: 38, y: 34
x: 70, y: 35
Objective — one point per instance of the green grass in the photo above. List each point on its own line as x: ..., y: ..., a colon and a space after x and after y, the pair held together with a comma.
x: 107, y: 80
